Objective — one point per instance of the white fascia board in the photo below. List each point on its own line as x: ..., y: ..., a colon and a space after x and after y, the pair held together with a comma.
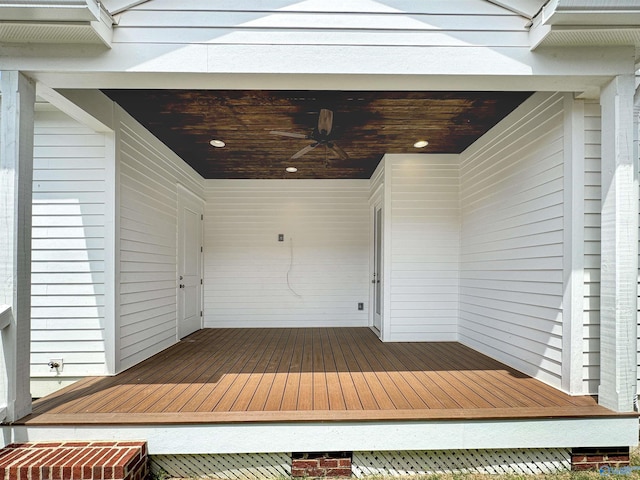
x: 50, y: 10
x: 356, y: 436
x: 104, y: 27
x: 629, y: 18
x: 592, y: 13
x: 280, y: 67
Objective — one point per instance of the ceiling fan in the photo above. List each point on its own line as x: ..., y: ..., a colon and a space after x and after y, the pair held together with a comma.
x: 321, y: 135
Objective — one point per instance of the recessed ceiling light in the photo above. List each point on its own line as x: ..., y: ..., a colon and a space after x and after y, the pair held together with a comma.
x: 421, y: 144
x: 217, y: 143
x: 291, y: 169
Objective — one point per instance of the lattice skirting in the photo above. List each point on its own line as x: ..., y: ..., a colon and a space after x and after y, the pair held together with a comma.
x: 391, y: 463
x: 519, y: 461
x: 232, y: 466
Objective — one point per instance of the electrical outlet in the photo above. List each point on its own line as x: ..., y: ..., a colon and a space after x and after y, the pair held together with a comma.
x: 281, y: 237
x: 360, y: 306
x: 55, y: 365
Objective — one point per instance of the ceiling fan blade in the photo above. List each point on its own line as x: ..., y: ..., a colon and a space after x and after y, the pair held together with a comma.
x: 340, y: 152
x: 288, y: 134
x: 306, y: 149
x: 325, y: 121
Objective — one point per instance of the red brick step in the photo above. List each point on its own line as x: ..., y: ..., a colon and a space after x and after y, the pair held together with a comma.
x: 74, y: 461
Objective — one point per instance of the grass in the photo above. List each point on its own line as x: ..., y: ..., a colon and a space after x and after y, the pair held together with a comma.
x: 484, y: 476
x: 478, y: 476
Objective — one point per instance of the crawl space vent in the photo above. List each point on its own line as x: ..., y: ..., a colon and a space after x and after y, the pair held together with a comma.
x: 224, y: 466
x: 518, y: 461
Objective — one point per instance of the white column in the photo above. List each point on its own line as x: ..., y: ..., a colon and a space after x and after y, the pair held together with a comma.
x: 619, y: 248
x: 17, y: 97
x: 573, y: 301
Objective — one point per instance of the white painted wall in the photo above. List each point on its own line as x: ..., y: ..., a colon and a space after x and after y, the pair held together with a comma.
x: 512, y: 232
x: 377, y: 179
x: 457, y: 23
x: 68, y: 251
x: 424, y: 247
x: 325, y: 253
x: 70, y: 209
x: 149, y: 173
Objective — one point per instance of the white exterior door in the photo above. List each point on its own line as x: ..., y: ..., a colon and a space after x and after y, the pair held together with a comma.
x: 190, y: 243
x: 376, y: 280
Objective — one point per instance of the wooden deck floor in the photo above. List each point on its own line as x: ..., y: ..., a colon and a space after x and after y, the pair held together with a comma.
x: 315, y: 374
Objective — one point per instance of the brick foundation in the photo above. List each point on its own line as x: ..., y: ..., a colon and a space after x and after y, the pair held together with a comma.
x: 597, y: 458
x: 331, y: 464
x: 74, y: 461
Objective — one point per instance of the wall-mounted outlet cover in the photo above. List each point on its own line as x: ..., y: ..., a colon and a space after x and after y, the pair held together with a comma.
x: 281, y: 237
x: 55, y: 365
x: 360, y: 306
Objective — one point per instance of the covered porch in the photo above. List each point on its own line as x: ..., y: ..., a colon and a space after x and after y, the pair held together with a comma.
x: 522, y: 246
x: 250, y: 384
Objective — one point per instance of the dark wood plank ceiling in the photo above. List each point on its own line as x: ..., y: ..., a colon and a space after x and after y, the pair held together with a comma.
x: 366, y: 125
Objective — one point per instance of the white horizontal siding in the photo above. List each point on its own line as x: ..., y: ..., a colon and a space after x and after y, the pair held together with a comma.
x: 424, y: 247
x: 512, y: 232
x: 377, y: 181
x: 398, y: 7
x: 591, y: 351
x: 315, y: 277
x: 68, y: 249
x: 149, y: 174
x: 458, y: 23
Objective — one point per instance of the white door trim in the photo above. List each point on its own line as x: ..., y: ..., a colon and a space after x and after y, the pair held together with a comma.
x: 375, y: 203
x: 185, y: 195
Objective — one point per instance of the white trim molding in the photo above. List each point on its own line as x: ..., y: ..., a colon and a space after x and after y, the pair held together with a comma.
x: 356, y: 436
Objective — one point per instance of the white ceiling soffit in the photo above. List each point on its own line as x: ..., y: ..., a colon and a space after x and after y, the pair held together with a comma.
x: 586, y: 23
x: 54, y: 21
x: 526, y: 8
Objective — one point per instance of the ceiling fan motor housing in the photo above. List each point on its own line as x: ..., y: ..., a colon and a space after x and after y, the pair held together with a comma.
x: 321, y: 136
